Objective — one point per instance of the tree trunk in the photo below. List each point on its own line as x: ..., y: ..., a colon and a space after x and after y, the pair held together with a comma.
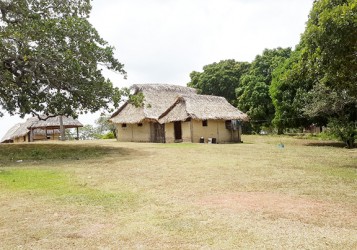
x: 62, y: 128
x: 350, y: 142
x: 280, y: 131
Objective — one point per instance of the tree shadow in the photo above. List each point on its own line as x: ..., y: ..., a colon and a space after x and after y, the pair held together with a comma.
x: 11, y: 154
x: 327, y: 144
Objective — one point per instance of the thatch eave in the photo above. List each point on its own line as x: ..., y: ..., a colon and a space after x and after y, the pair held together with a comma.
x: 8, y: 136
x: 157, y: 99
x: 54, y: 123
x: 201, y: 107
x: 167, y: 103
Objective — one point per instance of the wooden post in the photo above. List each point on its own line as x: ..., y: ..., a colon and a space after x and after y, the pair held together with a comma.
x: 191, y: 127
x: 132, y: 132
x: 239, y: 132
x: 62, y: 128
x: 217, y: 139
x: 31, y: 135
x: 77, y: 133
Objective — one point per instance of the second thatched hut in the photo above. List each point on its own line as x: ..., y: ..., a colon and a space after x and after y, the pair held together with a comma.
x: 35, y: 129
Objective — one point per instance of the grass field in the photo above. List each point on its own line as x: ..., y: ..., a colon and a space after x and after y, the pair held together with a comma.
x: 110, y: 195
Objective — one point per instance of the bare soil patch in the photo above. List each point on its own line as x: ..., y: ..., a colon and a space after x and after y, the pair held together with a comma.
x: 281, y: 205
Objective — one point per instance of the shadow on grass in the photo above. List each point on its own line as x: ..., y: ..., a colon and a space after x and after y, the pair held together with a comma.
x: 327, y: 144
x: 350, y: 166
x: 15, y: 153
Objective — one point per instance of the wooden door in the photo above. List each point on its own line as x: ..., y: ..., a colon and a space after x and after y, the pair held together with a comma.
x: 178, y: 130
x: 157, y: 132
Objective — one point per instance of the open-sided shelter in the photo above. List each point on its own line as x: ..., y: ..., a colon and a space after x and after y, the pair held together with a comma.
x: 53, y: 124
x: 34, y: 129
x: 172, y: 113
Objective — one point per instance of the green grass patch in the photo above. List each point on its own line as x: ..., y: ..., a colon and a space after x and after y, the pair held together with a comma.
x: 15, y: 153
x: 63, y: 187
x: 346, y: 172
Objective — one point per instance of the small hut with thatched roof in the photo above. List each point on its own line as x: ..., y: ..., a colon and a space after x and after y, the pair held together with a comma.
x: 34, y: 129
x: 53, y: 124
x: 7, y: 138
x: 177, y: 114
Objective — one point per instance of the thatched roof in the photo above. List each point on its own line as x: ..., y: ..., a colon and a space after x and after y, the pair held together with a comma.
x: 201, y: 107
x: 7, y: 137
x: 18, y: 130
x: 54, y: 123
x: 167, y: 103
x: 21, y: 129
x: 157, y: 99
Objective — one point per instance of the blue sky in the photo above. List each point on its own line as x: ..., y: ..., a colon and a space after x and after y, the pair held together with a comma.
x: 163, y: 41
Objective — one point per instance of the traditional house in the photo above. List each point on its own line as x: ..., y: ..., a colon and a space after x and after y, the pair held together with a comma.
x: 34, y: 129
x: 177, y: 114
x: 7, y: 138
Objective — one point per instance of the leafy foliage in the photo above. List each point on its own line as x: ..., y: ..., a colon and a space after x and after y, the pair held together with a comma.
x: 102, y: 129
x: 219, y: 79
x: 318, y: 83
x: 330, y: 42
x: 253, y: 93
x: 137, y: 99
x: 338, y: 107
x: 103, y: 124
x: 288, y: 93
x: 89, y: 132
x: 109, y: 135
x: 344, y: 129
x: 51, y: 59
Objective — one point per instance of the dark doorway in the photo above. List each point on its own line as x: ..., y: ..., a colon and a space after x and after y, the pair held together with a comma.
x: 178, y: 130
x: 157, y: 132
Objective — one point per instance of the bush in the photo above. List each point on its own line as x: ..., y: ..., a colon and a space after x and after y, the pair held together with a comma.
x: 109, y: 135
x: 345, y: 130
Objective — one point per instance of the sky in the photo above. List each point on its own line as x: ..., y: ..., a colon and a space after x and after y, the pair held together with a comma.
x: 163, y: 41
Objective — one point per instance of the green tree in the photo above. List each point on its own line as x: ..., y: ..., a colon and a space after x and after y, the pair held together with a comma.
x: 288, y: 92
x: 89, y: 132
x: 253, y: 93
x: 330, y: 41
x: 104, y: 126
x: 219, y: 79
x: 338, y: 107
x: 51, y: 59
x: 321, y: 74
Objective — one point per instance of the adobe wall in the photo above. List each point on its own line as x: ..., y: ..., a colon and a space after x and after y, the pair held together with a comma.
x: 133, y: 132
x: 214, y: 129
x: 170, y: 132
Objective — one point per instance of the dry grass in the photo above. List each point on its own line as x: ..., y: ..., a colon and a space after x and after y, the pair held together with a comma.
x: 183, y: 196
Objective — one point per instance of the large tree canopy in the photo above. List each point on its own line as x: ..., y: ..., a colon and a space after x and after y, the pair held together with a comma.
x: 318, y: 83
x: 330, y: 41
x: 253, y: 92
x: 288, y: 90
x: 330, y: 53
x: 219, y: 79
x: 51, y: 59
x: 338, y: 107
